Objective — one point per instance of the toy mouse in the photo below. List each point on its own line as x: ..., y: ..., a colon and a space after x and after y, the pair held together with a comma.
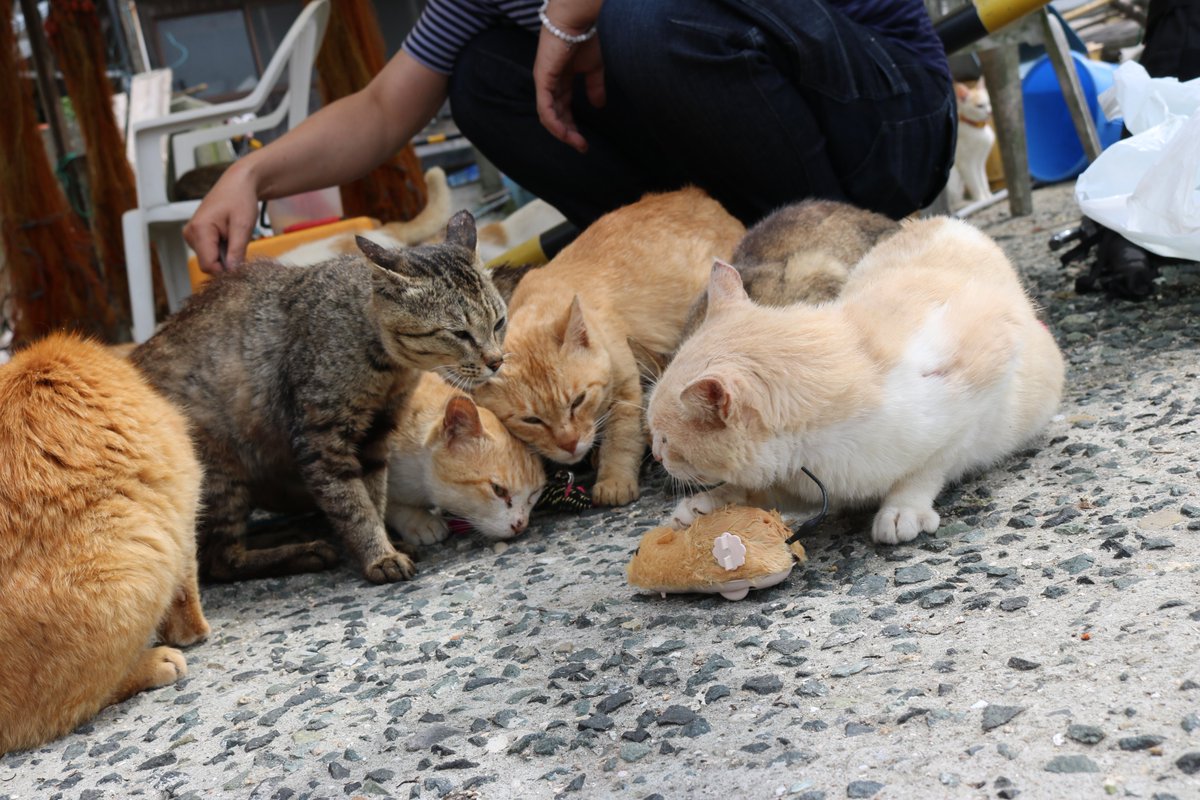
x: 728, y: 552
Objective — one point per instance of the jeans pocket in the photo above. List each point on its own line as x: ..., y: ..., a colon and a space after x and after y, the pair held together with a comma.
x: 906, y: 166
x: 826, y: 52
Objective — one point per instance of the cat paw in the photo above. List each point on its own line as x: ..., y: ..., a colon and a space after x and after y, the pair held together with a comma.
x: 390, y: 568
x: 184, y: 623
x: 167, y: 665
x: 894, y: 524
x: 316, y: 557
x: 690, y: 508
x: 615, y: 492
x: 424, y: 529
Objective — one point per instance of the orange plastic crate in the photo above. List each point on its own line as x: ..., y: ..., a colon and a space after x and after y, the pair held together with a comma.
x: 271, y: 246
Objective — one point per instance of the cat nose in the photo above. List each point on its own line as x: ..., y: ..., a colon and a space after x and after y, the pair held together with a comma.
x: 518, y: 526
x: 569, y: 445
x: 494, y: 362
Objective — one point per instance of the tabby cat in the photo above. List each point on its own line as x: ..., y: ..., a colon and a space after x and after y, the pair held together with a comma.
x: 570, y: 376
x: 293, y: 378
x: 802, y: 253
x: 448, y: 454
x: 930, y: 364
x: 99, y: 489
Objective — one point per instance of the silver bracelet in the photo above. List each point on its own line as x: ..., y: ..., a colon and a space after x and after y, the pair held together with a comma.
x: 558, y: 32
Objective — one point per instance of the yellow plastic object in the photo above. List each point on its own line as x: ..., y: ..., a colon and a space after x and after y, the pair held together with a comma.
x: 995, y: 14
x: 272, y: 246
x: 527, y: 252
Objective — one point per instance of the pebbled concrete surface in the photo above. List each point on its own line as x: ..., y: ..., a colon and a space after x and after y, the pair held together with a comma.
x: 1043, y: 644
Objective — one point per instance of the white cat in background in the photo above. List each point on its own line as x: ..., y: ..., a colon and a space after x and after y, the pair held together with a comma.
x: 969, y: 180
x: 930, y: 364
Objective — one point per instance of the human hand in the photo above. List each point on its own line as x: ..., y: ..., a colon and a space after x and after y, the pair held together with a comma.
x: 220, y: 229
x: 554, y: 70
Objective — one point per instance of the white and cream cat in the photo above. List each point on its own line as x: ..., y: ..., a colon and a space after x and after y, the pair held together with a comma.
x: 931, y: 364
x: 447, y: 454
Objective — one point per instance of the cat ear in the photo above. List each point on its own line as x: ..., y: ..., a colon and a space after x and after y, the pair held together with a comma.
x: 710, y: 398
x: 388, y: 259
x: 461, y: 230
x: 575, y: 330
x: 980, y: 84
x: 724, y: 287
x: 961, y: 90
x: 460, y: 421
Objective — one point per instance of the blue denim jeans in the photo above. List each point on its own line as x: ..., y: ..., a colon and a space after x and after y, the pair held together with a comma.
x: 759, y: 102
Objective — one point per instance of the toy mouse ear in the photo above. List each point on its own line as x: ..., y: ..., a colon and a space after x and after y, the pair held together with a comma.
x: 729, y: 551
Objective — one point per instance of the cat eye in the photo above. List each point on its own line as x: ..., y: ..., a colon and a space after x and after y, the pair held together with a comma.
x: 499, y: 325
x: 532, y: 420
x: 502, y: 493
x: 466, y: 337
x: 578, y: 401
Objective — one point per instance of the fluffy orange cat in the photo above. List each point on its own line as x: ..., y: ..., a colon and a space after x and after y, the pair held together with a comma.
x: 570, y: 376
x: 99, y: 489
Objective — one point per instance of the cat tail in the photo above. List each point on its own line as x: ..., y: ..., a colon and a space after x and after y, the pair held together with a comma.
x: 430, y: 223
x: 815, y: 276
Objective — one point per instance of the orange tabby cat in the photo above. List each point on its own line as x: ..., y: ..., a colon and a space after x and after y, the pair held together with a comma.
x: 449, y: 454
x: 570, y: 373
x: 98, y: 495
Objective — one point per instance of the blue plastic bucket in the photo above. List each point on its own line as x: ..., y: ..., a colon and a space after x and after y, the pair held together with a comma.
x: 1055, y: 152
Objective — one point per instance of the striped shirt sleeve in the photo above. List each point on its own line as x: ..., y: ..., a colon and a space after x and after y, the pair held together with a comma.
x: 446, y: 26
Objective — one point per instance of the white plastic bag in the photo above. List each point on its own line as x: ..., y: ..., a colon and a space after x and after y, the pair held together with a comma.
x: 1147, y: 187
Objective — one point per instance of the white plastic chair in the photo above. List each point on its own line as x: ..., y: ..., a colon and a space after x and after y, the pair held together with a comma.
x: 160, y: 221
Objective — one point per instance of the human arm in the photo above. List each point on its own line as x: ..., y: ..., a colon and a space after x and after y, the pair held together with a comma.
x: 558, y: 62
x: 340, y: 143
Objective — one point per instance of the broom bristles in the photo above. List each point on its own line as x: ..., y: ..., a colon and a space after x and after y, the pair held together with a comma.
x: 53, y: 279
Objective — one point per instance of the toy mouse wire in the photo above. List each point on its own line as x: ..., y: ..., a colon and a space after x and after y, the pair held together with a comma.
x: 809, y: 524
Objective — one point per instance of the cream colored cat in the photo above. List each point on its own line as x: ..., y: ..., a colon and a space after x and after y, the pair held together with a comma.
x: 532, y: 219
x: 98, y: 495
x: 428, y: 226
x: 448, y: 454
x: 569, y: 376
x: 930, y: 364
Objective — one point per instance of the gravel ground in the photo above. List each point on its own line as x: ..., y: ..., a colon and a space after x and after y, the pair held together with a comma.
x: 1043, y: 643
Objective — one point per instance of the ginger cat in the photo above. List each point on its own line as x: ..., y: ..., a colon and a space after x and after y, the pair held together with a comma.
x: 570, y: 376
x: 451, y: 455
x: 930, y: 364
x: 98, y: 495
